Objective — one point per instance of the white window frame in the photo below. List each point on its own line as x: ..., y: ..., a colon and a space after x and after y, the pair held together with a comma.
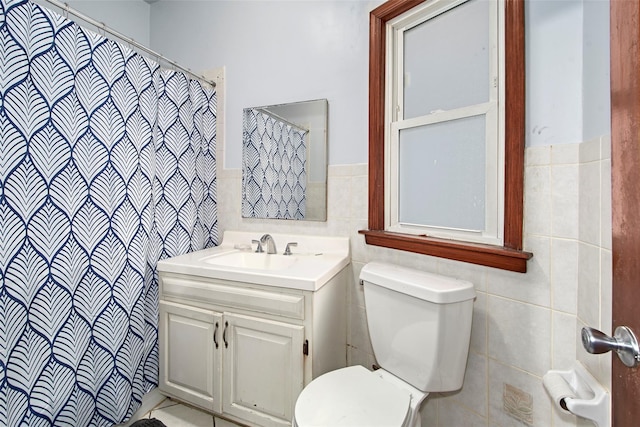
x: 493, y: 110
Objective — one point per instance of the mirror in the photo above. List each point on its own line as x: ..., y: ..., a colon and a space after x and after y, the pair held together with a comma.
x: 284, y: 161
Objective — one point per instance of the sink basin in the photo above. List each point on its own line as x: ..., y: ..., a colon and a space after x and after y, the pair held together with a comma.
x: 315, y: 261
x: 252, y: 260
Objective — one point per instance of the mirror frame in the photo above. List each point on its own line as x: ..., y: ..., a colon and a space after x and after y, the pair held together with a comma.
x: 510, y: 256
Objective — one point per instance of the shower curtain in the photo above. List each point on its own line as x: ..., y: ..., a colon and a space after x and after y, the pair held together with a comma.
x: 107, y: 164
x: 273, y: 168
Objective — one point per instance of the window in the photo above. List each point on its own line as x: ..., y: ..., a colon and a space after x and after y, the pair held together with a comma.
x: 443, y: 138
x: 448, y: 132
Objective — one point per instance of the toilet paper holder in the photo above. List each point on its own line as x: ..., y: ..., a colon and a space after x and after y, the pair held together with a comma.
x: 577, y: 392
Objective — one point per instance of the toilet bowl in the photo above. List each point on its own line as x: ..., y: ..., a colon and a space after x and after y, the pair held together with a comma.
x: 357, y: 397
x: 420, y: 326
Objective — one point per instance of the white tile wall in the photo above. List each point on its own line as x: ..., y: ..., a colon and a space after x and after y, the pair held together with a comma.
x: 595, y: 251
x: 524, y: 324
x: 501, y: 374
x: 520, y: 334
x: 564, y: 275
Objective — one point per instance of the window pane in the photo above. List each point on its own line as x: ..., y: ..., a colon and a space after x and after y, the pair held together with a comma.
x: 446, y: 60
x: 442, y: 174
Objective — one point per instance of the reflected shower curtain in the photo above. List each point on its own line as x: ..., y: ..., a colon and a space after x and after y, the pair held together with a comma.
x: 106, y: 165
x: 273, y: 167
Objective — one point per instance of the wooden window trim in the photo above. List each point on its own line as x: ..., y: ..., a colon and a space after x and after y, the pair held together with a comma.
x: 508, y: 257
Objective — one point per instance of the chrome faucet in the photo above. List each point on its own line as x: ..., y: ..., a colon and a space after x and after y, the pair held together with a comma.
x: 271, y: 245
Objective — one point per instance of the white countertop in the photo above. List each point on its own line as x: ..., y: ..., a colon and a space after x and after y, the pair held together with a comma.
x: 317, y: 260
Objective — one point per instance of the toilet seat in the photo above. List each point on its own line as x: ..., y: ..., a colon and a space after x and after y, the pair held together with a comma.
x: 352, y: 396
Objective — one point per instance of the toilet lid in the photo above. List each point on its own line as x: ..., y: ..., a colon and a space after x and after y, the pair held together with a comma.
x: 351, y: 396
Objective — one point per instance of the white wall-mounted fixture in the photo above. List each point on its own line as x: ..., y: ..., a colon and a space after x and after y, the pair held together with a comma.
x: 577, y: 392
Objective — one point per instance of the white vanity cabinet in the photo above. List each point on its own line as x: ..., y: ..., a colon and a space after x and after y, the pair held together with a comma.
x: 246, y: 351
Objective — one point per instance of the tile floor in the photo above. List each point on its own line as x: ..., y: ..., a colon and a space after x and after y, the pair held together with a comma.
x: 176, y: 414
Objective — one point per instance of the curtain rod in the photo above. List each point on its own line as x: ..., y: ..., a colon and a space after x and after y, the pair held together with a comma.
x: 275, y: 116
x: 101, y: 25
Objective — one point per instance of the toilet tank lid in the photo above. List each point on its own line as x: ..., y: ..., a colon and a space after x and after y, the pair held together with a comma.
x: 420, y: 284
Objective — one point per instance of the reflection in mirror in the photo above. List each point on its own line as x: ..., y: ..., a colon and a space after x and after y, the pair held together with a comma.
x: 284, y: 161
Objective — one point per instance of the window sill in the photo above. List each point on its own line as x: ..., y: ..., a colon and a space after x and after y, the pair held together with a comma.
x: 475, y: 253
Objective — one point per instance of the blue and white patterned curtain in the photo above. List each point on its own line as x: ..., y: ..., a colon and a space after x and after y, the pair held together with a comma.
x: 106, y: 165
x: 274, y: 179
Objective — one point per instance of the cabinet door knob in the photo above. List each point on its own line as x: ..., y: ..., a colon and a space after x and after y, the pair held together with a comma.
x: 224, y: 335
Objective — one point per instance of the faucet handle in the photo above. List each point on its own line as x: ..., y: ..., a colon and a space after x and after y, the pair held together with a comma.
x: 259, y: 249
x: 287, y: 250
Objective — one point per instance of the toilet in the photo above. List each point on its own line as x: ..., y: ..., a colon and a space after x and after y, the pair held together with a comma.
x: 420, y: 325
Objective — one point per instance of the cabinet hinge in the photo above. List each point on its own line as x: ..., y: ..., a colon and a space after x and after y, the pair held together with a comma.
x: 305, y: 348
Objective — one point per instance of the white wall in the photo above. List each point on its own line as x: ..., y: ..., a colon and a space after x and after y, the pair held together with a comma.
x: 567, y: 67
x: 277, y: 52
x: 553, y: 48
x: 596, y: 99
x: 129, y: 17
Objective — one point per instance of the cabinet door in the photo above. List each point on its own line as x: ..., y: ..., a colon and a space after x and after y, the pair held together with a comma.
x: 263, y: 369
x: 189, y: 359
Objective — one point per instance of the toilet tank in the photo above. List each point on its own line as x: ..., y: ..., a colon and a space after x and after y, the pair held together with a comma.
x: 419, y: 324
